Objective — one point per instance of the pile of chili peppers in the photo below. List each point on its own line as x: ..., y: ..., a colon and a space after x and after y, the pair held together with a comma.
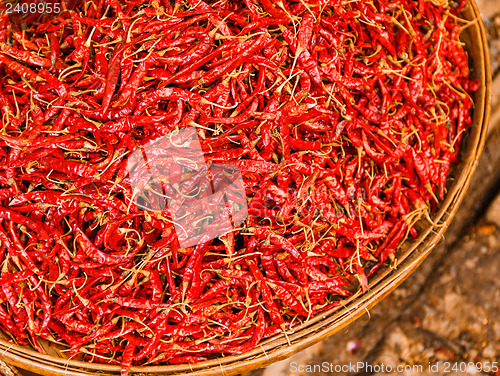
x: 342, y: 116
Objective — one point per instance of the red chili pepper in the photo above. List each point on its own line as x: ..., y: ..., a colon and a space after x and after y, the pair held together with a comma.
x: 20, y: 219
x: 266, y: 294
x: 12, y: 278
x: 127, y: 358
x: 289, y: 299
x: 264, y: 232
x: 252, y: 47
x: 20, y: 69
x: 169, y: 94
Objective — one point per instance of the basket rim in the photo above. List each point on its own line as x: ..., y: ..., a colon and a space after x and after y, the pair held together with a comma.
x: 282, y: 346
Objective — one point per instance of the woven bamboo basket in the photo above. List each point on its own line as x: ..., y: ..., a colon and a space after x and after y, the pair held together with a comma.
x: 411, y: 255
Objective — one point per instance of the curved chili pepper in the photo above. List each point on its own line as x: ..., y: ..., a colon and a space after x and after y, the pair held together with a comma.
x: 20, y: 69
